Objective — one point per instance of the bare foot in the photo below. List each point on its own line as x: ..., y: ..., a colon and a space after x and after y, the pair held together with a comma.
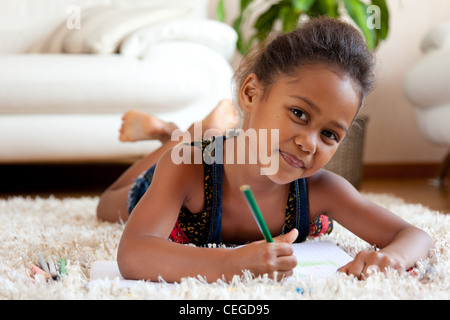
x: 223, y: 117
x: 137, y: 126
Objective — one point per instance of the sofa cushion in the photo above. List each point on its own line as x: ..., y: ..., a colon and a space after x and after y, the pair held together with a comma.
x: 102, y: 29
x: 213, y: 34
x: 23, y: 23
x: 56, y: 41
x: 109, y: 28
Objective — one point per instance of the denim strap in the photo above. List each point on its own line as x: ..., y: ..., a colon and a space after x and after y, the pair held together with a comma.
x: 215, y: 229
x: 302, y: 218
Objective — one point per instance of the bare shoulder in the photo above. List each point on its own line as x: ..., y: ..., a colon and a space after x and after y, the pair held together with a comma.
x: 332, y: 183
x: 182, y: 177
x: 329, y: 192
x: 179, y: 164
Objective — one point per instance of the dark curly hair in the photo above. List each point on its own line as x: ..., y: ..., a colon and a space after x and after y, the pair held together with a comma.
x: 329, y: 41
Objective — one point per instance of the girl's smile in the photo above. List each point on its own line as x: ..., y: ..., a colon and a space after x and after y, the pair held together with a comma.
x: 292, y: 160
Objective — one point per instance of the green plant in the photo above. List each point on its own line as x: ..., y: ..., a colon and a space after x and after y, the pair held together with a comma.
x: 372, y: 21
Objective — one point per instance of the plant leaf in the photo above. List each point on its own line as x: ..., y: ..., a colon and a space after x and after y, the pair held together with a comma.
x: 289, y: 12
x: 265, y: 22
x: 328, y: 7
x: 240, y: 41
x: 357, y: 10
x: 383, y: 32
x: 268, y: 17
x: 241, y: 45
x: 245, y: 4
x: 302, y: 5
x: 289, y: 18
x: 220, y: 11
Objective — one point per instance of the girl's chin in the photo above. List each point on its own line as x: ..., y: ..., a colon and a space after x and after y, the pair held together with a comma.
x: 282, y: 178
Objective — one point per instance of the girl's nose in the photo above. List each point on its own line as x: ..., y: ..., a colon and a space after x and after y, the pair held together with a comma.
x: 307, y: 142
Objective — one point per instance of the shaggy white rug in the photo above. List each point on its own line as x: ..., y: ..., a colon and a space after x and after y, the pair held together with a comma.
x: 68, y: 228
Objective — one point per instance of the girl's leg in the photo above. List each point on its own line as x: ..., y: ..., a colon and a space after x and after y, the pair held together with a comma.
x: 113, y: 202
x: 140, y: 126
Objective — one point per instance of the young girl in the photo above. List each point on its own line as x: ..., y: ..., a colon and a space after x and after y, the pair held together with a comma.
x: 307, y: 86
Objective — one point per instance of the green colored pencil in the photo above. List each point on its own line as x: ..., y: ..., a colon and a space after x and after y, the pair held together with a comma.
x: 63, y: 267
x: 256, y: 212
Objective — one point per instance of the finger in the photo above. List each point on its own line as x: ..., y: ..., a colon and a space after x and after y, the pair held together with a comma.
x: 383, y: 264
x: 283, y: 249
x: 286, y: 263
x: 344, y: 268
x: 370, y: 270
x: 355, y: 268
x: 375, y: 262
x: 289, y: 237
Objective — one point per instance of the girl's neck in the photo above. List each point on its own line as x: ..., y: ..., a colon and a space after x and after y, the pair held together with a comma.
x: 237, y: 173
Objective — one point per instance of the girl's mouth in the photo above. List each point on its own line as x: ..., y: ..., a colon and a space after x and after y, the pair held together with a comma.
x: 292, y: 160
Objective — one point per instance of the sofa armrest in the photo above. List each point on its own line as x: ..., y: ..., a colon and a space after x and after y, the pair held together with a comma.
x: 213, y: 34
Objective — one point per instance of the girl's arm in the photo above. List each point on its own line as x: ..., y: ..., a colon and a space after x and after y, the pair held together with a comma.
x: 402, y: 244
x: 145, y: 253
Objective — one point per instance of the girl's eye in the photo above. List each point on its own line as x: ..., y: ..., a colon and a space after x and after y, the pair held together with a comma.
x: 330, y: 135
x: 299, y: 114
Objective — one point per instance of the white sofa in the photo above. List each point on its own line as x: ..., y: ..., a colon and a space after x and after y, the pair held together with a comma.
x: 69, y: 69
x: 427, y: 86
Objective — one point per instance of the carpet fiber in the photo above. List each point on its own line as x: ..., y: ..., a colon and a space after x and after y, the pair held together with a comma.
x: 68, y: 228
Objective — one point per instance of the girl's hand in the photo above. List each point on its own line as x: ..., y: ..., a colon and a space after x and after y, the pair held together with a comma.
x: 275, y: 259
x: 370, y: 262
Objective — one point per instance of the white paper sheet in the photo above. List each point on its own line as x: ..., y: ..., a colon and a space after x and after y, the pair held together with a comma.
x: 317, y: 259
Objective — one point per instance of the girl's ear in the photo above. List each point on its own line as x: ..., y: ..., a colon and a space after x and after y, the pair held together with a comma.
x: 249, y: 92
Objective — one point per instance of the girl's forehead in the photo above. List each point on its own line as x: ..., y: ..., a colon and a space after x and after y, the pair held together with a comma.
x: 322, y: 86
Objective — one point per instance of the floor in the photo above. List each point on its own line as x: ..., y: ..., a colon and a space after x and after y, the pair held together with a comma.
x: 413, y: 191
x: 79, y: 180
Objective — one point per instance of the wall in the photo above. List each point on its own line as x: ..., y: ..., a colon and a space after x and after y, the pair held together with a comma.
x: 393, y: 135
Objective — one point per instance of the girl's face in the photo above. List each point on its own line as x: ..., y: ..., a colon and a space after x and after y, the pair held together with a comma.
x: 312, y: 111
